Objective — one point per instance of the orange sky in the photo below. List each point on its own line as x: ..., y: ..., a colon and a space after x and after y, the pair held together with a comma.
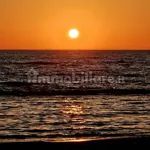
x: 103, y: 24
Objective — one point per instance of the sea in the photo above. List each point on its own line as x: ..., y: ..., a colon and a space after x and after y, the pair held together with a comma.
x: 51, y: 95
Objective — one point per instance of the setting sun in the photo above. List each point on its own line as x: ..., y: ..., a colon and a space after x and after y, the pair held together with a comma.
x: 73, y: 33
x: 75, y: 24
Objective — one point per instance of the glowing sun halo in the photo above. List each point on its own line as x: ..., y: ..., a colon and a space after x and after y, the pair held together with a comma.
x: 73, y: 33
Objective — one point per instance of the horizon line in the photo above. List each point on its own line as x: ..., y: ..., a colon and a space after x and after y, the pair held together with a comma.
x: 73, y: 49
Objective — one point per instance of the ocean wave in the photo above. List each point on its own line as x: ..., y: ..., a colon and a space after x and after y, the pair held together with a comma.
x: 31, y: 63
x: 25, y: 89
x: 38, y: 135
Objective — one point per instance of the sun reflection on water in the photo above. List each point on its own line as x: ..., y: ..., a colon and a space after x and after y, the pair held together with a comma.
x: 72, y: 110
x: 73, y: 113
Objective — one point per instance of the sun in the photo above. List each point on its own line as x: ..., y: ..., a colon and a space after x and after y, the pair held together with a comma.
x: 73, y: 33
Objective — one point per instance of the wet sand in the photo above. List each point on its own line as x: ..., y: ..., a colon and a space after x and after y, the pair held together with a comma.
x: 143, y: 142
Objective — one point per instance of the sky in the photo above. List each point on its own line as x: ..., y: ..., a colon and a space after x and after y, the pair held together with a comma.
x: 102, y: 24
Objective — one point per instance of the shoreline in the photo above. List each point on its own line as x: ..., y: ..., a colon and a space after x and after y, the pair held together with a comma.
x: 83, y: 144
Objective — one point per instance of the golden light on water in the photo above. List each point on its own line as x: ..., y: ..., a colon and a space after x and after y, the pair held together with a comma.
x: 72, y: 110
